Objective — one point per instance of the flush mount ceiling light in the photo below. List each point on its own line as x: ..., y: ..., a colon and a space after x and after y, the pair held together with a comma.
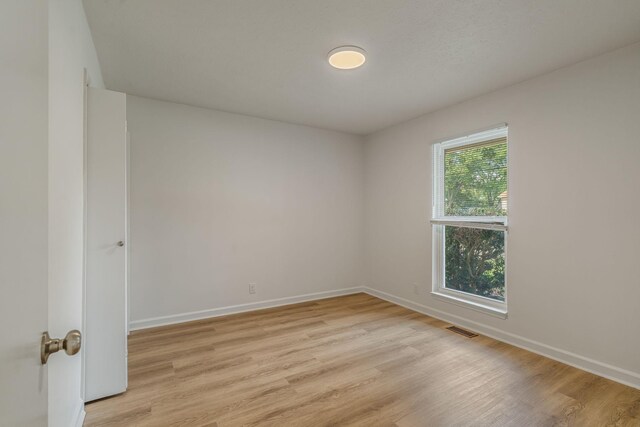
x: 346, y: 57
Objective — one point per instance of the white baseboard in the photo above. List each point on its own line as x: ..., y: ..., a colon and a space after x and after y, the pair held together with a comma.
x: 602, y: 369
x: 80, y: 414
x: 241, y: 308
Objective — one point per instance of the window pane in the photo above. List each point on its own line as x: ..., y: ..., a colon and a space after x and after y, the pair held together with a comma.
x: 474, y: 261
x: 475, y: 180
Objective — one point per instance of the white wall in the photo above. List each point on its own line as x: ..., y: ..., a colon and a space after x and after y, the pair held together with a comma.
x: 70, y: 52
x: 23, y: 211
x: 220, y: 200
x: 574, y: 199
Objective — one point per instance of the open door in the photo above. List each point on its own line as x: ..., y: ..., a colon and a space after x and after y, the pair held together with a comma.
x: 105, y: 368
x: 23, y: 211
x: 41, y: 213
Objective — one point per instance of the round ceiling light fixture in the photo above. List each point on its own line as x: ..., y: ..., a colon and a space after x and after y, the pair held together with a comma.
x: 347, y: 57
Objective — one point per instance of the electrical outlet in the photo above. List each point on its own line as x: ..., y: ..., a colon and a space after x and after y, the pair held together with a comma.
x: 252, y: 288
x: 416, y: 289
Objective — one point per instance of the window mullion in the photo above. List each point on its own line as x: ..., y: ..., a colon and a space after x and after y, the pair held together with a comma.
x: 485, y: 225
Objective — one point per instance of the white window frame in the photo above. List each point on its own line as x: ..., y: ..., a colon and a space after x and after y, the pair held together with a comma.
x: 439, y: 220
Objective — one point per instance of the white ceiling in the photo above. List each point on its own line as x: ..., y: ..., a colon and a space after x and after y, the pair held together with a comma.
x: 267, y: 58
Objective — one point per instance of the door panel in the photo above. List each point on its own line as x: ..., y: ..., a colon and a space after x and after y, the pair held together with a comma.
x: 105, y: 337
x: 23, y: 211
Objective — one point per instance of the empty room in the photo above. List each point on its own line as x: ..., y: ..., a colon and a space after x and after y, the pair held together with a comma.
x: 409, y: 213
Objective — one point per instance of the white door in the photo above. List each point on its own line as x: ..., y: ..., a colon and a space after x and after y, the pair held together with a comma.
x: 23, y: 211
x: 105, y: 343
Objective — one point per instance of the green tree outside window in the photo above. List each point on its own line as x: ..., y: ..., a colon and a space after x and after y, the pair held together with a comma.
x: 475, y: 180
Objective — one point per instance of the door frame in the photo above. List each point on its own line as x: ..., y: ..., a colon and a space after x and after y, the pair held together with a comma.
x: 85, y: 86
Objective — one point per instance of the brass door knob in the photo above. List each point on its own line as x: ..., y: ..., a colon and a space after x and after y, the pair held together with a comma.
x: 70, y: 344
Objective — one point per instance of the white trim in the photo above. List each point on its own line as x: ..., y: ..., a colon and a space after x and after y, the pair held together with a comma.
x: 623, y: 376
x: 85, y: 144
x: 240, y: 308
x: 127, y: 229
x: 472, y: 219
x: 437, y: 181
x: 487, y: 134
x: 464, y: 300
x: 80, y: 414
x: 487, y: 224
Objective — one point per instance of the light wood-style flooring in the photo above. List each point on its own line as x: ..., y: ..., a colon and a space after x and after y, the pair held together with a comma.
x: 353, y: 360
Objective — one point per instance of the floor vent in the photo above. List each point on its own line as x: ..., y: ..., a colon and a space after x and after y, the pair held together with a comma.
x: 461, y: 331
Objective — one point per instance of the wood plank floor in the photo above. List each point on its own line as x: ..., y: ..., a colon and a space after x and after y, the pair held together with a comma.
x: 353, y: 360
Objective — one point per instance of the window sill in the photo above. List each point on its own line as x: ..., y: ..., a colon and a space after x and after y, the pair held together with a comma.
x: 492, y: 311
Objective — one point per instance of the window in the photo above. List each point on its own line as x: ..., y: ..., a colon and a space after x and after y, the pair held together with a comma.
x: 470, y: 221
